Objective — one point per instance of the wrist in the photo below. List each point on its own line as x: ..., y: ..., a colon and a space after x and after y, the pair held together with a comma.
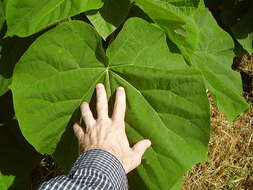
x: 109, y: 149
x: 104, y: 162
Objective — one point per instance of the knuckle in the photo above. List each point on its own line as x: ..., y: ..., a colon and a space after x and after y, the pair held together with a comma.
x: 84, y: 113
x: 89, y: 130
x: 101, y: 105
x: 100, y: 92
x: 118, y: 122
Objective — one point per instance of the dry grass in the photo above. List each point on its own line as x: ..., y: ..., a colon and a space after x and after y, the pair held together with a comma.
x: 244, y: 64
x: 230, y: 153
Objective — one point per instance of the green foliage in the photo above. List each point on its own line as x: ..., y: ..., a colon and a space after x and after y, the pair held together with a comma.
x: 2, y: 17
x: 154, y: 81
x: 109, y: 17
x: 191, y: 32
x: 17, y: 160
x: 165, y: 59
x: 215, y: 47
x: 237, y: 17
x: 27, y: 17
x: 6, y: 181
x: 245, y: 38
x: 11, y: 49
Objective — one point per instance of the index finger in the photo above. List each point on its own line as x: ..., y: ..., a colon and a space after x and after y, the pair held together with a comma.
x: 119, y: 105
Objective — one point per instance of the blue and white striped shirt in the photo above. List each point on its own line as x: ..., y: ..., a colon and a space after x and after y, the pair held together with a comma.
x: 93, y: 170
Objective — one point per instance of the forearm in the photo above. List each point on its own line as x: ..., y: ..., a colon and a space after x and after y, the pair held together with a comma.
x: 94, y: 169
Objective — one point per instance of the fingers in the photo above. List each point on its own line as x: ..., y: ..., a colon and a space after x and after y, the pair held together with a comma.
x: 102, y: 104
x: 87, y: 114
x: 140, y: 147
x: 78, y: 131
x: 119, y: 105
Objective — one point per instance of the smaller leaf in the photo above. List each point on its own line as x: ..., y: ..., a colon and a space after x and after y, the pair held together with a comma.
x: 110, y: 16
x: 27, y: 17
x: 177, y: 24
x: 243, y: 31
x: 214, y: 57
x: 6, y: 181
x: 9, y: 57
x: 237, y: 16
x: 2, y: 17
x: 206, y: 47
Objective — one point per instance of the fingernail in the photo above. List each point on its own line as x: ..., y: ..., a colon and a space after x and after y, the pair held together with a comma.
x: 84, y: 104
x: 100, y: 85
x: 120, y: 88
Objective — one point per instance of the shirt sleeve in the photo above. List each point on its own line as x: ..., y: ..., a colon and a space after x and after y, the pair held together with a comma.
x: 93, y: 170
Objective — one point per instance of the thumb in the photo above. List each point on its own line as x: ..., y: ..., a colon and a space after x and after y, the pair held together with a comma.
x: 141, y: 146
x: 78, y: 131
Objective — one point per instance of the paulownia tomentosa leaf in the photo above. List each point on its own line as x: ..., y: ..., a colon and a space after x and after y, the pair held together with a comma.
x: 166, y: 100
x: 109, y: 17
x: 206, y: 47
x: 27, y: 17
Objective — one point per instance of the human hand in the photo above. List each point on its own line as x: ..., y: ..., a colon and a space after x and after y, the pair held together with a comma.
x: 109, y: 133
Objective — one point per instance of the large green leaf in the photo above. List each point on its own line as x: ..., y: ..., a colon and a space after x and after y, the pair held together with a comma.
x: 110, y: 16
x: 27, y: 17
x: 166, y: 100
x: 206, y: 47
